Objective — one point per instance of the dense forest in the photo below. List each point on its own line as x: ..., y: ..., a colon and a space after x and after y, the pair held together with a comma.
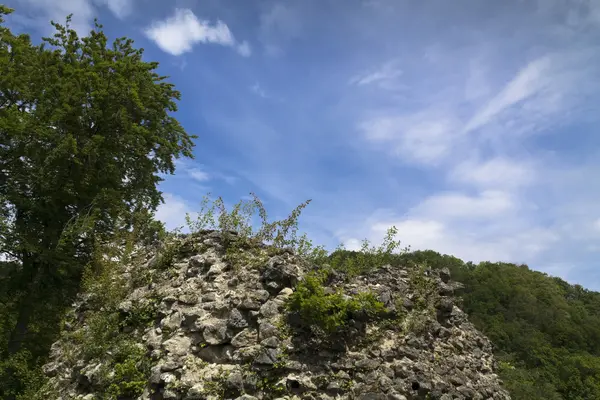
x: 86, y: 130
x: 546, y: 332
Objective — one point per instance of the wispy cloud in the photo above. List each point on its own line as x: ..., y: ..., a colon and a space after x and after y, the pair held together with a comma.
x: 279, y: 24
x: 497, y: 172
x: 199, y: 175
x: 530, y: 81
x: 42, y: 11
x: 455, y: 205
x: 386, y: 76
x: 426, y: 137
x: 472, y: 131
x: 172, y: 212
x: 120, y: 8
x: 178, y: 33
x: 260, y: 92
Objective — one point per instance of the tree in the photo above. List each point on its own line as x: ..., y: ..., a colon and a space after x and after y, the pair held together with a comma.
x: 85, y: 131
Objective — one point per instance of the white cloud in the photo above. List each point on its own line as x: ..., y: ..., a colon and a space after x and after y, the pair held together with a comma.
x: 244, y: 49
x: 173, y: 211
x: 178, y: 33
x: 278, y: 25
x: 423, y: 138
x: 199, y: 175
x: 477, y: 85
x: 385, y: 76
x: 83, y: 12
x: 596, y: 225
x: 202, y: 174
x: 258, y: 90
x: 531, y: 80
x: 464, y: 242
x: 495, y: 173
x: 448, y: 206
x: 120, y: 8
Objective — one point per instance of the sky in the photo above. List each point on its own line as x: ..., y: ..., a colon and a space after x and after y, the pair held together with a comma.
x: 472, y: 126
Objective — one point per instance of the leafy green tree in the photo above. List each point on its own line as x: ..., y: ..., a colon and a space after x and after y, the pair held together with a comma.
x: 85, y: 130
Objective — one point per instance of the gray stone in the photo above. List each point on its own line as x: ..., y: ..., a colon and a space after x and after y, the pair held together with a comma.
x: 177, y: 346
x: 247, y: 337
x: 236, y: 320
x: 266, y: 330
x: 266, y: 356
x: 272, y: 342
x: 270, y: 309
x: 235, y: 381
x: 278, y: 274
x: 445, y: 275
x: 216, y: 354
x: 215, y: 332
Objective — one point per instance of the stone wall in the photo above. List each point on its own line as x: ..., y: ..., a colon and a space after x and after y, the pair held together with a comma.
x: 221, y: 331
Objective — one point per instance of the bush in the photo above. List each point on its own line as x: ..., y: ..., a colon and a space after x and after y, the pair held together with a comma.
x: 131, y: 371
x: 369, y: 257
x: 238, y: 227
x: 329, y: 313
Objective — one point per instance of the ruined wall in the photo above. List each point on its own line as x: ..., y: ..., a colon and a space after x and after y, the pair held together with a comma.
x: 219, y: 329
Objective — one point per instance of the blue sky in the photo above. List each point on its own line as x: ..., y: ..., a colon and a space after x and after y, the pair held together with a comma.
x: 473, y: 126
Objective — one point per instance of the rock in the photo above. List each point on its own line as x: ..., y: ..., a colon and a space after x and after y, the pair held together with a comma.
x: 299, y: 384
x: 172, y: 322
x: 51, y: 369
x: 235, y: 381
x: 444, y: 275
x: 278, y: 274
x: 245, y: 338
x: 216, y: 354
x: 266, y: 330
x: 236, y: 320
x: 215, y: 332
x: 266, y: 356
x: 270, y: 309
x: 170, y: 365
x: 177, y: 346
x: 196, y: 392
x: 271, y: 342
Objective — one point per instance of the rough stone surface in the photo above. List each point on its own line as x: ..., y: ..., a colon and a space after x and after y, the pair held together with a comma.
x: 220, y: 333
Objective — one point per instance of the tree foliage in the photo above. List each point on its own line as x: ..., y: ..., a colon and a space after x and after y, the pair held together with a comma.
x: 545, y: 331
x: 86, y: 127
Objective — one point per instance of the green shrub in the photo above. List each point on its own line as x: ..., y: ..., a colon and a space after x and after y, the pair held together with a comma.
x: 131, y: 369
x: 329, y: 313
x: 242, y: 220
x: 368, y: 258
x: 142, y: 314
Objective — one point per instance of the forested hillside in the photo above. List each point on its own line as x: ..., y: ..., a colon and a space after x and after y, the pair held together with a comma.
x: 545, y: 331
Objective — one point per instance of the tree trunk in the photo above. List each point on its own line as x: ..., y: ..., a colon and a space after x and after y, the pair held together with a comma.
x: 31, y: 272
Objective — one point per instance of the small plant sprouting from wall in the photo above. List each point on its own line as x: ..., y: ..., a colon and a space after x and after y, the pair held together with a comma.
x: 240, y: 233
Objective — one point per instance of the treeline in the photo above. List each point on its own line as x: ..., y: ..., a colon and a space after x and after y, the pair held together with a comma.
x: 545, y: 331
